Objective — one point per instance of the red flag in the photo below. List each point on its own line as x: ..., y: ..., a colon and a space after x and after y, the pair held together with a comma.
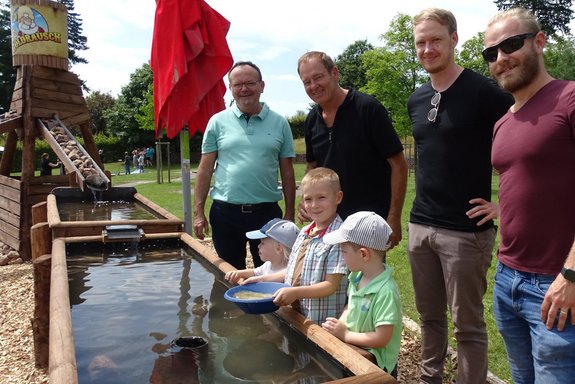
x: 190, y: 57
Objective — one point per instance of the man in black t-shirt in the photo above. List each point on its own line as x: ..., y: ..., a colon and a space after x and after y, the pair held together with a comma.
x: 351, y: 133
x: 451, y: 231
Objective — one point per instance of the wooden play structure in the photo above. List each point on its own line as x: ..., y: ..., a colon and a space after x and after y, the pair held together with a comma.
x: 45, y: 95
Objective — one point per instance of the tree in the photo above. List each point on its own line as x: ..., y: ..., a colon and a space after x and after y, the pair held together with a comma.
x: 121, y: 118
x: 98, y: 103
x: 560, y: 56
x: 394, y: 72
x: 76, y: 43
x: 7, y: 72
x: 350, y: 65
x: 554, y: 15
x: 470, y: 55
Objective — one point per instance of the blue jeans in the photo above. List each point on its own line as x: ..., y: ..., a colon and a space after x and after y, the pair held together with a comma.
x: 230, y: 222
x: 536, y: 354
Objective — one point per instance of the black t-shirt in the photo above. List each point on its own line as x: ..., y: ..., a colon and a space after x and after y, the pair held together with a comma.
x: 454, y: 152
x: 45, y: 168
x: 356, y: 147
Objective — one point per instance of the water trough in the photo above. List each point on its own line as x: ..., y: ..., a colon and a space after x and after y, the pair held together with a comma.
x: 52, y: 237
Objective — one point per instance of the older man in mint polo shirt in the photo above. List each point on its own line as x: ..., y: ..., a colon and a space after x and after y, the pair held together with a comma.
x: 244, y: 146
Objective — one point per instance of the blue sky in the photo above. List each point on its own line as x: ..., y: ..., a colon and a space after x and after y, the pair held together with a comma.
x: 272, y: 34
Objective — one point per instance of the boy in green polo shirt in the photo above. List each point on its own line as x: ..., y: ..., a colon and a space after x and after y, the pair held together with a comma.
x: 372, y: 319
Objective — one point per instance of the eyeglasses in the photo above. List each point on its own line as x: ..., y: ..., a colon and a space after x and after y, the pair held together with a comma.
x: 432, y: 114
x: 249, y: 85
x: 509, y: 45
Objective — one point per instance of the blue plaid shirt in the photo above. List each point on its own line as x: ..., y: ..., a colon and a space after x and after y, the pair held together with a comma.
x: 319, y: 261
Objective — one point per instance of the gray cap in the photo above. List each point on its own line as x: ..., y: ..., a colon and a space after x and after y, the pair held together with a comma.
x: 363, y: 228
x: 282, y: 231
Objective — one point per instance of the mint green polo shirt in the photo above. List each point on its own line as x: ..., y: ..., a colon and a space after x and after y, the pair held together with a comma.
x: 378, y: 303
x: 248, y: 154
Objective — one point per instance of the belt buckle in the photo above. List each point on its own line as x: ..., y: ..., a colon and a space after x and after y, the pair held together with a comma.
x: 247, y: 208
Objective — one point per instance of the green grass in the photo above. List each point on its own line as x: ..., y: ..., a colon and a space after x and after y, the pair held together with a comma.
x: 169, y: 196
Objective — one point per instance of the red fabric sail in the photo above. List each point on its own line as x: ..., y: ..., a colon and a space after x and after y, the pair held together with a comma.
x: 190, y: 57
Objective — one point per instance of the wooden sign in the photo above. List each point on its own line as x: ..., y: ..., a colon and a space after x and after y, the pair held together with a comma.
x: 39, y: 33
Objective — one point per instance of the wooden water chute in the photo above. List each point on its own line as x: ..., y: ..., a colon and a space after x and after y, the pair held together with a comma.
x: 44, y: 89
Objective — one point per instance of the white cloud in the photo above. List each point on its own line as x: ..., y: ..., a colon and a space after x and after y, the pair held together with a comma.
x: 272, y: 34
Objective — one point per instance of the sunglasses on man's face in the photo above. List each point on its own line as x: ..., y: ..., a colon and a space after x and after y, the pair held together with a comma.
x: 509, y: 45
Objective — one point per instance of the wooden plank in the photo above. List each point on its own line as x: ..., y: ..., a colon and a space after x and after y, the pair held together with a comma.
x: 41, y: 240
x: 43, y: 94
x: 8, y: 159
x: 12, y: 218
x: 10, y: 230
x: 9, y: 205
x: 55, y: 75
x: 76, y: 120
x: 53, y: 216
x: 62, y: 360
x: 70, y: 167
x: 368, y: 378
x: 57, y: 106
x: 40, y: 213
x: 45, y: 113
x: 41, y: 321
x: 50, y: 84
x: 9, y: 125
x: 10, y: 181
x: 10, y: 193
x: 11, y: 241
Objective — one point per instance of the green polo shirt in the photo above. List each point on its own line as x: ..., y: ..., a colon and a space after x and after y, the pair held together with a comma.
x: 378, y: 303
x: 248, y: 154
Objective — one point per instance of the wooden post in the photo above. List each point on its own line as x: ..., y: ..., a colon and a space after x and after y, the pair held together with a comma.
x: 62, y: 363
x: 28, y: 164
x: 41, y: 320
x: 41, y: 246
x: 40, y: 213
x: 8, y: 155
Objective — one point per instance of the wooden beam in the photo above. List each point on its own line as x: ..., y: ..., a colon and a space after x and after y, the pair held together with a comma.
x: 62, y: 360
x: 10, y: 124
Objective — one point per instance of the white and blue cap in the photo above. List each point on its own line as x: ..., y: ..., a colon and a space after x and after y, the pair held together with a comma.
x: 282, y: 231
x: 366, y: 229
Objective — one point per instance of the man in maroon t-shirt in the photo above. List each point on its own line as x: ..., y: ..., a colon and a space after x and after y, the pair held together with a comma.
x: 534, y: 153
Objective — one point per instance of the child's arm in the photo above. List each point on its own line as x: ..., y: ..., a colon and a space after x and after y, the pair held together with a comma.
x: 286, y: 296
x: 375, y: 339
x: 278, y: 276
x: 235, y: 276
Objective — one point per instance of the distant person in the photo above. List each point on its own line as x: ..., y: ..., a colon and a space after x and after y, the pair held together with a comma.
x: 373, y: 318
x: 451, y: 230
x: 534, y: 154
x: 150, y: 151
x: 46, y: 165
x: 351, y: 132
x: 316, y: 270
x: 135, y: 155
x: 127, y: 163
x: 251, y: 144
x: 101, y: 155
x: 141, y: 162
x: 276, y: 241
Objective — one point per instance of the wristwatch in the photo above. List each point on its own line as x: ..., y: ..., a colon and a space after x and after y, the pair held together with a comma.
x: 568, y: 274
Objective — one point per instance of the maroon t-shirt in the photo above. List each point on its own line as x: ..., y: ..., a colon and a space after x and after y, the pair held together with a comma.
x: 534, y: 153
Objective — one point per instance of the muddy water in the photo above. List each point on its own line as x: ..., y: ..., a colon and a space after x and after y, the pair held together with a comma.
x: 103, y: 210
x: 130, y: 302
